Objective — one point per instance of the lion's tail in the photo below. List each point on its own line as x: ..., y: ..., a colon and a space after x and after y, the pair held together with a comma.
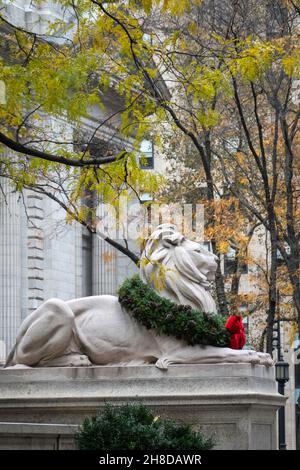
x: 9, y: 358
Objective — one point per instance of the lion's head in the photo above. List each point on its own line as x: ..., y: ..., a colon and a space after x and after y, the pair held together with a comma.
x: 184, y: 267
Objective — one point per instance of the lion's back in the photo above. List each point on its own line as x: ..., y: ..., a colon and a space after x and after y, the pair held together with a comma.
x: 107, y: 332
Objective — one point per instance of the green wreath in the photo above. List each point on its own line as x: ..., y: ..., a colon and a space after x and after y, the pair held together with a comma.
x: 166, y: 317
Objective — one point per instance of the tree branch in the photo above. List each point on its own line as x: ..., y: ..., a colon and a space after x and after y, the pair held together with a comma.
x: 32, y: 152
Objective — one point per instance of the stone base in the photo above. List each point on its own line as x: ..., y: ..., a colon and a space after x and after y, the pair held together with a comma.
x: 41, y: 408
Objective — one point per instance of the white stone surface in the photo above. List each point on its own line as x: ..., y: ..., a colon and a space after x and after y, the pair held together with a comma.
x: 236, y: 402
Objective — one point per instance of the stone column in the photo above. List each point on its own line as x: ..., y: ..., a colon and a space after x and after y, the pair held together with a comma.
x: 78, y: 260
x: 104, y: 265
x: 10, y: 267
x: 35, y: 250
x: 104, y: 268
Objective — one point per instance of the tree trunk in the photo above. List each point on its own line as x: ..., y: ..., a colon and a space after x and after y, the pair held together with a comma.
x: 272, y: 285
x: 219, y: 279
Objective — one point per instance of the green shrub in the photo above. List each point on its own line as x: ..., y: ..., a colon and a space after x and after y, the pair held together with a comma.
x: 134, y: 427
x: 166, y: 317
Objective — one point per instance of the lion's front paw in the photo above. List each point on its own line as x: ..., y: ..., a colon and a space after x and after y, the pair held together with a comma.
x: 162, y: 363
x: 253, y: 357
x: 265, y: 359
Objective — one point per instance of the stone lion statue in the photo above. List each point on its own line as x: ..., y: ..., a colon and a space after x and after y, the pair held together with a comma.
x: 98, y: 331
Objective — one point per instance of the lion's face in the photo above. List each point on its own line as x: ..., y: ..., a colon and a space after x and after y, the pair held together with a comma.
x: 171, y: 249
x: 186, y: 267
x: 203, y: 259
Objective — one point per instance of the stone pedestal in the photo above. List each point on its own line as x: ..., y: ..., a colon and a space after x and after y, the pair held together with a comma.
x: 41, y: 408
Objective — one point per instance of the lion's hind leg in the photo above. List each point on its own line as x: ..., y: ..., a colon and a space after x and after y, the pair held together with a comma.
x: 44, y: 335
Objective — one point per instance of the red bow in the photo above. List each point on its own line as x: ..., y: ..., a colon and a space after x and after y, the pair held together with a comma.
x: 235, y: 327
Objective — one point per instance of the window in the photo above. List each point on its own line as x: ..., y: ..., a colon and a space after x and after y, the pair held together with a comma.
x: 146, y: 197
x: 147, y: 160
x: 87, y: 263
x: 230, y: 263
x: 207, y: 246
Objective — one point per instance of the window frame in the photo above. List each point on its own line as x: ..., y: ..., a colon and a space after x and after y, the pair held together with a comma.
x: 149, y: 158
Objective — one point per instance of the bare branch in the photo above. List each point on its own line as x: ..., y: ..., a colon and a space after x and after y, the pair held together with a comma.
x: 32, y: 152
